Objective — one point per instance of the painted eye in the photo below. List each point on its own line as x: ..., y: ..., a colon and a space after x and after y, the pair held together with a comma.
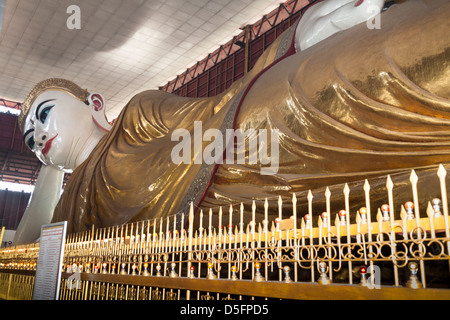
x: 31, y: 143
x: 44, y: 113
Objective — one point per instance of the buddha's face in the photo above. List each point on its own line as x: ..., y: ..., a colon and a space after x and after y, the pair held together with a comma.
x: 59, y: 129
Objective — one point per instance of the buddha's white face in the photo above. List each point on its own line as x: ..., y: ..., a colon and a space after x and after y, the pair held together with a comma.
x: 59, y: 129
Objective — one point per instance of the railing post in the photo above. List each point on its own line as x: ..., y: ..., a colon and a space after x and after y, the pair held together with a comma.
x: 349, y: 238
x: 1, y: 236
x: 441, y: 174
x: 9, y: 286
x: 390, y: 187
x: 369, y: 221
x: 191, y: 228
x: 311, y: 236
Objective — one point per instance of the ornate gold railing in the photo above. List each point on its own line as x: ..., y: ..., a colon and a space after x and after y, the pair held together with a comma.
x: 187, y: 258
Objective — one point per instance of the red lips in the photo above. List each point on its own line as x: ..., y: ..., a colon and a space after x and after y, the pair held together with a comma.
x: 47, y: 146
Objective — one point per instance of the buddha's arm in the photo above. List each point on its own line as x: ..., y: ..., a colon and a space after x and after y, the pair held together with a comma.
x: 329, y: 17
x: 41, y: 205
x: 350, y: 15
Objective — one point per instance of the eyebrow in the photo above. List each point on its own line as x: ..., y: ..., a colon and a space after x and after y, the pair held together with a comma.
x: 40, y: 105
x: 27, y: 133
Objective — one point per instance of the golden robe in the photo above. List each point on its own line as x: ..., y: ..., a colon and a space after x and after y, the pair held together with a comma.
x: 361, y: 104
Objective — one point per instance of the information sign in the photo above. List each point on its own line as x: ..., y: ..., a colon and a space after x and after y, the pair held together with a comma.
x: 50, y: 259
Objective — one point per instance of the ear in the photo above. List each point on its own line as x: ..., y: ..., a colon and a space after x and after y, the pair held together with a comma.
x: 96, y: 100
x: 97, y: 105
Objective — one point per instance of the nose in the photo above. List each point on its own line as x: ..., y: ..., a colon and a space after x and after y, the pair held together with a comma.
x: 41, y: 139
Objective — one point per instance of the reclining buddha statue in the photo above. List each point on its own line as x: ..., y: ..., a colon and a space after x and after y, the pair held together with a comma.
x: 332, y: 101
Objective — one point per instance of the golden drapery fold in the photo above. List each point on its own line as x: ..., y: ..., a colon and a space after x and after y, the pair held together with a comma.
x: 362, y: 104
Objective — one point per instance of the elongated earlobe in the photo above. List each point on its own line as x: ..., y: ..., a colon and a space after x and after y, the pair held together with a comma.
x: 97, y: 104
